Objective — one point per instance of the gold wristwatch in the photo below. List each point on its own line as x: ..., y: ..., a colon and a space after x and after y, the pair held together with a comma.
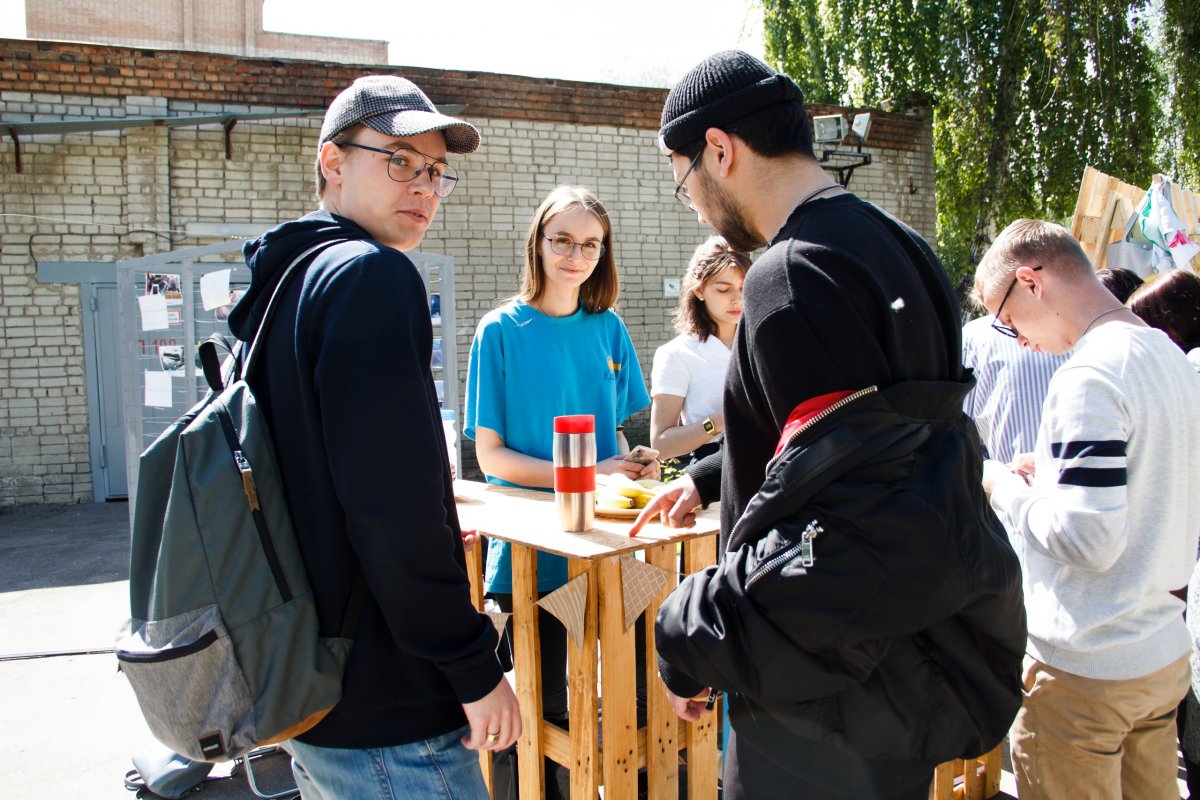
x: 709, y: 426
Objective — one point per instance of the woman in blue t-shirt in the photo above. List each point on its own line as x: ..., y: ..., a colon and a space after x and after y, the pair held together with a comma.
x: 556, y: 348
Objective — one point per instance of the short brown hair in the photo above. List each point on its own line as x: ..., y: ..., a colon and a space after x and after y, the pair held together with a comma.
x: 599, y: 292
x: 713, y: 256
x: 1171, y: 303
x: 1024, y: 243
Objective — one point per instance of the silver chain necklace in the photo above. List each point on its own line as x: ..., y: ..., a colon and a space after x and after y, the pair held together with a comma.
x: 1097, y: 317
x: 804, y: 200
x: 816, y: 192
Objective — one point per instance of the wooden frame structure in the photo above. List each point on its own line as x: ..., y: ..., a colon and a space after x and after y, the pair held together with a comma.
x: 968, y: 779
x: 603, y: 664
x: 1105, y: 205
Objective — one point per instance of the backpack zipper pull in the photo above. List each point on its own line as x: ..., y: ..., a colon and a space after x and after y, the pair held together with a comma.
x: 248, y: 486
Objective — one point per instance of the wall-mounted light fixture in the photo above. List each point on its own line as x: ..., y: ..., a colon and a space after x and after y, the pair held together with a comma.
x: 831, y: 129
x: 861, y: 127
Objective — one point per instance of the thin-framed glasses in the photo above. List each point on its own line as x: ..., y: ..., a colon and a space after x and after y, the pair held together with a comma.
x: 563, y: 245
x: 681, y: 193
x: 405, y: 164
x: 999, y: 326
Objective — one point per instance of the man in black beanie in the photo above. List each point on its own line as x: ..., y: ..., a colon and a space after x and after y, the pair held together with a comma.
x: 866, y: 617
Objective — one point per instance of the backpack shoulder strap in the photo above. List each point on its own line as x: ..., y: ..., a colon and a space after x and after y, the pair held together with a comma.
x: 251, y: 348
x: 210, y: 360
x: 358, y: 593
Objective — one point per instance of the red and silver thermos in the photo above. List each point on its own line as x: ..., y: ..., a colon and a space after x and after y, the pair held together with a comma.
x: 575, y: 471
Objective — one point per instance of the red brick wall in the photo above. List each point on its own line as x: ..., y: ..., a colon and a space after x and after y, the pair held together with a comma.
x: 71, y: 68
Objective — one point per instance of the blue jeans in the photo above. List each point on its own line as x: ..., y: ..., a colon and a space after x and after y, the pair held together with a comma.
x: 430, y: 770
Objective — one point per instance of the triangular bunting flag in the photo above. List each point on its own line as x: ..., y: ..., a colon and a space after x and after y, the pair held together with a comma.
x: 640, y: 582
x: 499, y: 619
x: 568, y: 603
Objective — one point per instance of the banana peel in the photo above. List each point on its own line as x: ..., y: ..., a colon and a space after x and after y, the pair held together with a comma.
x: 618, y: 491
x: 609, y: 499
x: 620, y: 484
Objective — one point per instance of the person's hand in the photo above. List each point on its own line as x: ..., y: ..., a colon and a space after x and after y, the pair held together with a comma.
x: 653, y: 470
x: 495, y: 719
x: 676, y: 502
x: 1024, y: 465
x: 995, y: 473
x: 470, y: 538
x: 689, y: 710
x: 618, y: 464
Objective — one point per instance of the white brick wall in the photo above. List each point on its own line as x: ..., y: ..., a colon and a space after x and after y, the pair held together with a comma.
x: 165, y: 178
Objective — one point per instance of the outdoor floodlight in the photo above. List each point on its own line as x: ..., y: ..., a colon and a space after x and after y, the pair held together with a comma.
x: 861, y: 126
x: 829, y: 128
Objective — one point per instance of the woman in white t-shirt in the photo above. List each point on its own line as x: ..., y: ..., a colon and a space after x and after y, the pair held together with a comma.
x: 688, y: 377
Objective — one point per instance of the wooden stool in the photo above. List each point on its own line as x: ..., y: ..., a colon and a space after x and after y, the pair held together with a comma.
x: 980, y: 778
x: 603, y: 664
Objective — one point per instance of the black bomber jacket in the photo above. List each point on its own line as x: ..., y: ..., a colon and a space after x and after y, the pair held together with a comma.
x: 868, y: 596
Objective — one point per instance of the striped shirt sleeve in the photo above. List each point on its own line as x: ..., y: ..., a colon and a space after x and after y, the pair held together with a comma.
x: 1076, y: 510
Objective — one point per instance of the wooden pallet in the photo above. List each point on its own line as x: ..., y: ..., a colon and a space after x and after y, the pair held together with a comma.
x: 968, y: 779
x: 1105, y: 204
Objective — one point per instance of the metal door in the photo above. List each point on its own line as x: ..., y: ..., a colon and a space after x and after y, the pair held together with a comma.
x: 108, y: 430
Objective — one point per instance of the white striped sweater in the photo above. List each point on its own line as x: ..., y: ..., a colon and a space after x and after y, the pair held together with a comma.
x: 1109, y: 527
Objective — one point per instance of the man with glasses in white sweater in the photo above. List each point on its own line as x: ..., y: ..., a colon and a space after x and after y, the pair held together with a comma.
x: 1105, y: 517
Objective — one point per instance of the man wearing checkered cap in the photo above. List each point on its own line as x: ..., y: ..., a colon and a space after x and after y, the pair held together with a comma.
x: 349, y: 394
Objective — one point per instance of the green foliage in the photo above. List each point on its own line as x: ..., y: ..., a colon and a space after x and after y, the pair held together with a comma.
x: 1181, y: 45
x: 1025, y: 93
x: 671, y: 468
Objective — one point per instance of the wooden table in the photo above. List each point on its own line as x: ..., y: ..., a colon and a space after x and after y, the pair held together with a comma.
x: 528, y: 521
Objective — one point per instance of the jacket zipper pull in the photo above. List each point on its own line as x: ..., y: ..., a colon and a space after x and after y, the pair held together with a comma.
x: 807, y: 559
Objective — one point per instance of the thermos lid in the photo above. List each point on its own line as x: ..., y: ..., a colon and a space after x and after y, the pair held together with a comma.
x: 575, y: 423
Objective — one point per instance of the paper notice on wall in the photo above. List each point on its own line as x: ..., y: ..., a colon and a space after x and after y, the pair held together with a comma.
x: 154, y: 312
x: 158, y: 389
x: 214, y: 289
x: 171, y: 358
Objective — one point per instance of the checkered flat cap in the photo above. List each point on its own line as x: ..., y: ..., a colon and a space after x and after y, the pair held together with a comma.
x: 395, y: 106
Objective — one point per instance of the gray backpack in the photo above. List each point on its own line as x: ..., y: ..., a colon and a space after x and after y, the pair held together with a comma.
x: 222, y: 647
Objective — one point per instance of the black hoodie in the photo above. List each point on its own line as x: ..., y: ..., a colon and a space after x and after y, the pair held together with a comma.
x: 346, y: 385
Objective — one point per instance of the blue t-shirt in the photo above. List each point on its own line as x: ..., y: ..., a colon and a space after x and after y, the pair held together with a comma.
x: 527, y: 368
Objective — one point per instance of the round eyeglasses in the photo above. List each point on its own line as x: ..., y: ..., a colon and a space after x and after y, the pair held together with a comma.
x: 405, y: 164
x: 563, y: 245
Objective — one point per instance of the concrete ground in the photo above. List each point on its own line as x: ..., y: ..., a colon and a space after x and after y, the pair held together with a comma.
x: 68, y: 720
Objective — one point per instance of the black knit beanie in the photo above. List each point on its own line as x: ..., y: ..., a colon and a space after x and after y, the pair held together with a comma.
x: 719, y: 90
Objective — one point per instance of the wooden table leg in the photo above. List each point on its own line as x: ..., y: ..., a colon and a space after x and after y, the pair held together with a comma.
x: 528, y: 666
x: 943, y: 780
x: 582, y: 683
x: 972, y: 779
x: 662, y: 726
x: 703, y: 765
x: 617, y: 690
x: 991, y: 772
x: 475, y: 576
